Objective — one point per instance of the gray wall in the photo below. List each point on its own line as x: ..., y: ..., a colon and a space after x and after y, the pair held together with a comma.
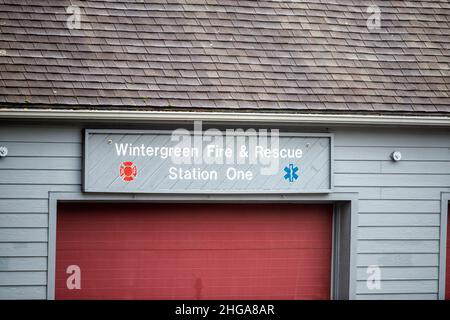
x: 399, y: 208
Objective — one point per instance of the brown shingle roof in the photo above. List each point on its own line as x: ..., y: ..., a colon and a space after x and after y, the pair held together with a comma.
x: 315, y: 55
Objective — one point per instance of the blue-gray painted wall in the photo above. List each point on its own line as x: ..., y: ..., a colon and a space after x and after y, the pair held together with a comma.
x: 399, y: 203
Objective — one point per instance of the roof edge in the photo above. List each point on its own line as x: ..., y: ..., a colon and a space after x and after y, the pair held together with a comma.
x: 247, y: 117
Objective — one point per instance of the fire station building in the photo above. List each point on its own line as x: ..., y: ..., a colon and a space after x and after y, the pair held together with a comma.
x: 224, y: 149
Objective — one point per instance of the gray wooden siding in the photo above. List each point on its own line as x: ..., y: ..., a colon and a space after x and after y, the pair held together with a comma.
x: 399, y: 208
x: 40, y: 160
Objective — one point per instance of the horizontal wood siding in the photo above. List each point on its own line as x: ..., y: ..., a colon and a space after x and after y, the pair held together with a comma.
x: 40, y: 160
x: 36, y: 262
x: 399, y: 203
x: 404, y: 273
x: 399, y: 207
x: 398, y: 296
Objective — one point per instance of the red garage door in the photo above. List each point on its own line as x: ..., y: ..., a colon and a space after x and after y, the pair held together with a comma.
x: 193, y: 251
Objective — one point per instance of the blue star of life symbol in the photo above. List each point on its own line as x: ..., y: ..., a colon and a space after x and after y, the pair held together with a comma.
x: 291, y: 173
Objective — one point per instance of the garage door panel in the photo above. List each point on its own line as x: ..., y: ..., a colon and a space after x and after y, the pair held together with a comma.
x: 167, y: 261
x: 195, y: 251
x: 210, y: 244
